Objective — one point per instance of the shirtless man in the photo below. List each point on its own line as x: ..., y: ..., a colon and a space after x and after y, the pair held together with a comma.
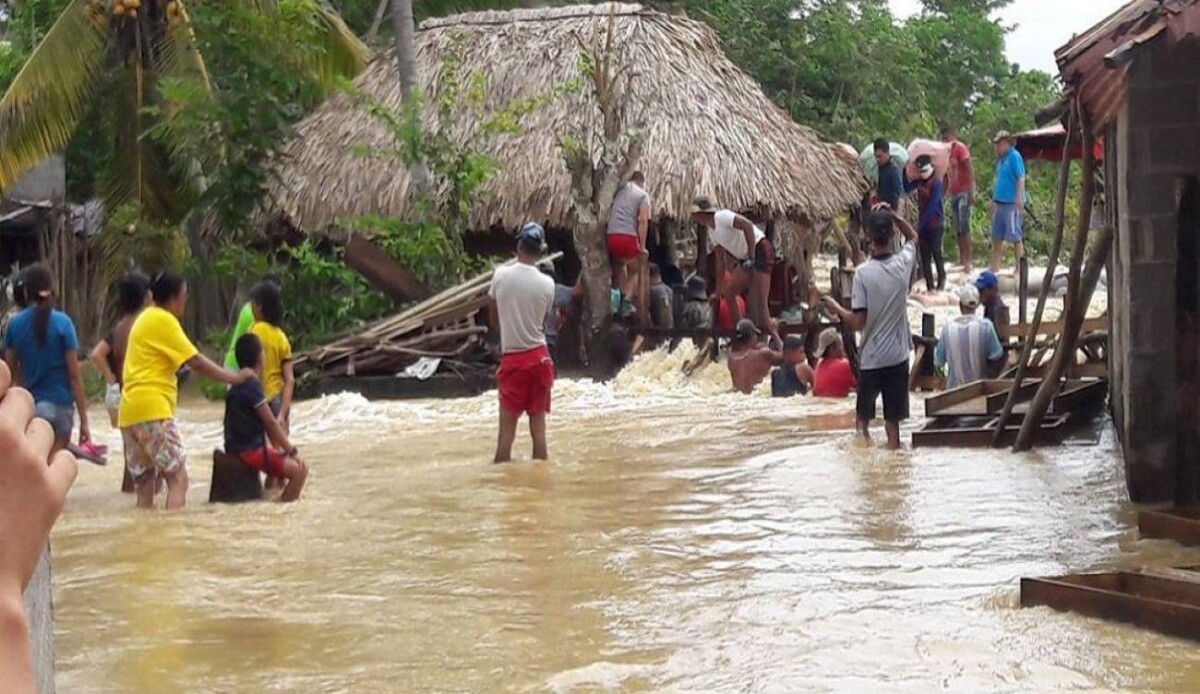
x: 795, y: 376
x: 749, y: 360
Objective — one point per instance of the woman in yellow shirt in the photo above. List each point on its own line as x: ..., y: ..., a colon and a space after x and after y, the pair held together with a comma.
x: 157, y: 349
x: 279, y: 379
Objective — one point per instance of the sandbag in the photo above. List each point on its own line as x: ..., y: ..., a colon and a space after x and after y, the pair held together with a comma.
x: 870, y: 168
x: 939, y: 152
x: 233, y: 481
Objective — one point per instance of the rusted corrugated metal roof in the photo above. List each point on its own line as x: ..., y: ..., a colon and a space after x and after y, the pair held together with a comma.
x: 1093, y: 65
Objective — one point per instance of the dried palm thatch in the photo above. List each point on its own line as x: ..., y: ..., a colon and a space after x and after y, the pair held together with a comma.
x: 708, y: 126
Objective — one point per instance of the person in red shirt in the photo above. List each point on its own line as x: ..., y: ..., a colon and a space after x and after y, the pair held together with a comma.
x: 960, y: 189
x: 833, y: 377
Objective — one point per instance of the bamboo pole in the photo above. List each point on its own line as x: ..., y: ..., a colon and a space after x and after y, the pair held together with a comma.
x: 1076, y: 302
x: 1060, y: 223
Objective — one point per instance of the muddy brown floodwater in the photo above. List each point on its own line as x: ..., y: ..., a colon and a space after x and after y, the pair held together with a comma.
x: 683, y: 539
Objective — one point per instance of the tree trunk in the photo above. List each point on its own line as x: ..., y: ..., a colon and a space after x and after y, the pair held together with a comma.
x: 377, y: 22
x: 406, y: 46
x: 1076, y: 300
x: 1060, y: 221
x: 597, y: 281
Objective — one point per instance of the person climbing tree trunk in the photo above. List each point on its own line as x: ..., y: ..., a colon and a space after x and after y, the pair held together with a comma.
x: 599, y: 161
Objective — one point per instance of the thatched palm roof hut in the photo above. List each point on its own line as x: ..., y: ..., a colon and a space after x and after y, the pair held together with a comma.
x: 708, y: 126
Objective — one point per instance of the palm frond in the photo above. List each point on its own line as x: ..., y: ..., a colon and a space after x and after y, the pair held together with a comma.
x: 50, y: 95
x: 336, y: 52
x: 186, y: 102
x: 139, y: 170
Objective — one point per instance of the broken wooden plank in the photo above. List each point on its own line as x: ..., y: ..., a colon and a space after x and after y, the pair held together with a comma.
x: 1181, y: 525
x: 1160, y: 603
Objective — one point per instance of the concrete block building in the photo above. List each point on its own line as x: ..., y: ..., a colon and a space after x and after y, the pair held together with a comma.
x: 1137, y: 77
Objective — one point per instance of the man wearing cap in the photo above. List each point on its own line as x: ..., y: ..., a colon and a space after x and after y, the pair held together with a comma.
x: 755, y: 257
x: 930, y: 224
x: 1008, y: 200
x: 521, y: 297
x: 697, y: 312
x: 628, y: 224
x: 749, y: 360
x: 994, y: 308
x: 879, y: 310
x: 833, y: 377
x: 960, y: 186
x: 969, y: 347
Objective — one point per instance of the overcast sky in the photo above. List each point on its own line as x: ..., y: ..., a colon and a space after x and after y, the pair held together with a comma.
x: 1042, y: 26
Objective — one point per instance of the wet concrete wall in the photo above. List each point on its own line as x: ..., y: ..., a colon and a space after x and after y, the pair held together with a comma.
x: 1157, y: 146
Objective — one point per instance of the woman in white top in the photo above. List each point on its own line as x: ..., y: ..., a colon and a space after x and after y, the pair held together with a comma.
x: 754, y: 258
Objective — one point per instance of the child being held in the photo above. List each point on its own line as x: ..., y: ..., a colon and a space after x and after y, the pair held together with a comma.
x: 252, y: 432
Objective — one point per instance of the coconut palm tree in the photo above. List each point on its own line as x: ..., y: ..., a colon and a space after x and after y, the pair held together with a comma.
x: 121, y: 51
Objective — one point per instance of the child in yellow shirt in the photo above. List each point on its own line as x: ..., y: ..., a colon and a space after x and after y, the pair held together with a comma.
x: 279, y: 380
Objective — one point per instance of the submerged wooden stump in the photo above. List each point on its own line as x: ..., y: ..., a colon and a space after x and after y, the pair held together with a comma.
x: 233, y: 481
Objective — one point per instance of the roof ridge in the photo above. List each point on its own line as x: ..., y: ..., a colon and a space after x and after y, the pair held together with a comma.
x: 539, y: 14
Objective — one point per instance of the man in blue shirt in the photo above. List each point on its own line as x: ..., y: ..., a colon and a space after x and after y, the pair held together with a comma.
x: 1008, y: 200
x: 891, y: 184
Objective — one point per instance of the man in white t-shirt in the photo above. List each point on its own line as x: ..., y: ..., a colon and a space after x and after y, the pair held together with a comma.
x: 628, y: 225
x: 738, y: 238
x: 521, y: 296
x: 879, y: 310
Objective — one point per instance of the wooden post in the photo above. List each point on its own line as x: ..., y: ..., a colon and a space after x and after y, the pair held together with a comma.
x: 1060, y: 221
x: 1076, y: 307
x: 1023, y: 289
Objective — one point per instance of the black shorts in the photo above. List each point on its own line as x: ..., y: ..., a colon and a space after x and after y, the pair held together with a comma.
x: 764, y: 257
x: 892, y: 383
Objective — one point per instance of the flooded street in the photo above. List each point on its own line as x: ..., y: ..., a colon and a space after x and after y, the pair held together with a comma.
x: 682, y: 539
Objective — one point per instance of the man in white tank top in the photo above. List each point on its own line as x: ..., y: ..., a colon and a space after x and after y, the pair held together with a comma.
x: 744, y: 246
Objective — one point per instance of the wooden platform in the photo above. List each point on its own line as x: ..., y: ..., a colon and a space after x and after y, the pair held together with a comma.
x: 967, y: 416
x: 1165, y: 600
x: 1179, y: 524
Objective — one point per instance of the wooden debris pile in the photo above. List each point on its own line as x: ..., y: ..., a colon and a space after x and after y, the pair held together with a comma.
x: 446, y: 327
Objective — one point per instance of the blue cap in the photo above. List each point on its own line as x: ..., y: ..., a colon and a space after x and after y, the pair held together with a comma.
x: 987, y: 280
x: 533, y: 234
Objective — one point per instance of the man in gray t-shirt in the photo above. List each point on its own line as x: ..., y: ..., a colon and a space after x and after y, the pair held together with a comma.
x: 878, y: 309
x: 628, y: 224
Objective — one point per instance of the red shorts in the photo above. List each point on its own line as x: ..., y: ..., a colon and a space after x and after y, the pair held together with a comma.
x: 525, y: 380
x: 623, y: 246
x: 266, y: 459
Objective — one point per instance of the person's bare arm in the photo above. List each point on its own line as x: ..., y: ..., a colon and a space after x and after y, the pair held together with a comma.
x: 855, y: 320
x: 747, y: 228
x: 906, y: 229
x: 719, y: 266
x: 493, y: 313
x: 775, y: 358
x: 81, y: 402
x: 275, y: 432
x: 1020, y: 201
x: 289, y: 390
x: 99, y: 357
x: 32, y: 494
x: 209, y: 369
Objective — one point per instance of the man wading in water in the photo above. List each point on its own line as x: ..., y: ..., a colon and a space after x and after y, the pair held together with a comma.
x: 521, y: 296
x: 879, y: 300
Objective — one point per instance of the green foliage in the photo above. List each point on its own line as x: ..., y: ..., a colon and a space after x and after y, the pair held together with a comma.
x: 448, y: 172
x: 322, y: 295
x: 130, y: 241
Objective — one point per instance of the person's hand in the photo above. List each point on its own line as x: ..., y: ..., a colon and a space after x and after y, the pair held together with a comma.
x: 882, y: 207
x: 246, y: 375
x: 32, y: 492
x: 831, y: 304
x: 85, y: 432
